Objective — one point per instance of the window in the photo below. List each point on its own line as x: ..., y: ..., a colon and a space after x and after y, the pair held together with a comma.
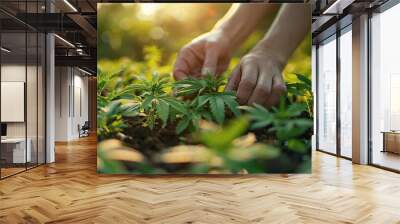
x: 22, y: 77
x: 327, y: 96
x: 346, y: 92
x: 385, y: 88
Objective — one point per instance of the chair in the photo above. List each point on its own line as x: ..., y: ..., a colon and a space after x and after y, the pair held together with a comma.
x: 84, y: 130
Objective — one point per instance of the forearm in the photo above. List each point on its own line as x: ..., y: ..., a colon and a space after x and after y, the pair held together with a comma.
x: 242, y: 19
x: 290, y: 27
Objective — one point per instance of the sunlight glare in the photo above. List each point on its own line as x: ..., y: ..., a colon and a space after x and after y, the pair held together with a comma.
x: 149, y: 9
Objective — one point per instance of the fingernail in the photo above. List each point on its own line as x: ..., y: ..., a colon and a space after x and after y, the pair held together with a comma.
x: 206, y: 71
x: 281, y: 87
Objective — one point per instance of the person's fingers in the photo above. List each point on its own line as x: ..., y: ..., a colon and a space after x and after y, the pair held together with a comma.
x: 263, y: 88
x: 210, y: 62
x: 181, y: 70
x: 234, y: 79
x: 247, y: 83
x: 278, y: 84
x: 223, y: 64
x: 185, y: 64
x: 278, y: 89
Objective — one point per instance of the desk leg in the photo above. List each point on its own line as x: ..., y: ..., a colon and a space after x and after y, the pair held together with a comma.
x: 384, y: 142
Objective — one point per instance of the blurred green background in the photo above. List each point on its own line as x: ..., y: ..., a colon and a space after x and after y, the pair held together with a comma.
x: 149, y: 35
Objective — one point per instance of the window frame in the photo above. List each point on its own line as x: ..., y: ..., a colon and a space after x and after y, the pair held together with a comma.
x: 339, y: 32
x: 378, y: 10
x: 29, y: 29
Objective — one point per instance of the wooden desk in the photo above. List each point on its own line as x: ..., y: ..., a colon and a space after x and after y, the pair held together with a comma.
x: 391, y: 141
x: 13, y: 150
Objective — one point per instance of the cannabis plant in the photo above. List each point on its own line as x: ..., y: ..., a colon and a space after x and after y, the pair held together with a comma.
x: 205, y: 85
x: 292, y: 118
x: 207, y: 101
x: 156, y: 103
x: 289, y: 124
x: 227, y: 149
x: 301, y: 91
x: 114, y: 101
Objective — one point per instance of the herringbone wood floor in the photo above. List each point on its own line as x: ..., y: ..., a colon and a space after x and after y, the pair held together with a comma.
x: 70, y: 191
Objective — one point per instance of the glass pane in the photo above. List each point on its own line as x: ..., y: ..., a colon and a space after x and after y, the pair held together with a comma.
x: 346, y: 94
x: 385, y: 84
x: 14, y: 153
x: 32, y: 87
x: 31, y: 97
x: 327, y: 96
x: 41, y: 98
x: 23, y: 90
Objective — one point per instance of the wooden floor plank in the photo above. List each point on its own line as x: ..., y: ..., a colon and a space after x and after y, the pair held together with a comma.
x: 70, y: 191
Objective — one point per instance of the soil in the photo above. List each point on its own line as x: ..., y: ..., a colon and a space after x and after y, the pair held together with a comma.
x: 152, y: 142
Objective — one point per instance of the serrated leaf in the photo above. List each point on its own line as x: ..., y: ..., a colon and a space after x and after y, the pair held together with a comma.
x: 303, y: 122
x: 207, y: 116
x: 258, y: 112
x: 261, y: 124
x: 232, y: 104
x: 296, y: 109
x: 146, y: 102
x: 201, y: 100
x: 217, y: 109
x: 182, y: 125
x: 163, y: 111
x: 178, y: 106
x: 196, y: 120
x: 130, y: 110
x: 112, y: 107
x: 192, y: 86
x: 172, y: 116
x: 188, y: 86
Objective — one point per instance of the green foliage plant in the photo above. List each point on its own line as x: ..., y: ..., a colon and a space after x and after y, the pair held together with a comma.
x: 156, y: 103
x: 206, y: 101
x: 114, y: 102
x: 237, y: 149
x: 300, y: 91
x: 290, y: 123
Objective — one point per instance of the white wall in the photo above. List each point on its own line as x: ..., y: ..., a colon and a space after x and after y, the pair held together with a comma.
x: 12, y: 73
x: 61, y: 103
x: 13, y: 101
x: 80, y: 115
x: 71, y: 94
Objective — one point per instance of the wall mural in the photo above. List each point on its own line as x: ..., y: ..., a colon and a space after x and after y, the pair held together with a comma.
x: 204, y: 88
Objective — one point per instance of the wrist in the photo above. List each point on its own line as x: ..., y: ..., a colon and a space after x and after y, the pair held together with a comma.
x: 232, y: 33
x: 278, y: 57
x: 223, y: 40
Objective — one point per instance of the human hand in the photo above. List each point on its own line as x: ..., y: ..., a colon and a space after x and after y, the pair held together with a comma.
x: 258, y: 78
x: 209, y: 53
